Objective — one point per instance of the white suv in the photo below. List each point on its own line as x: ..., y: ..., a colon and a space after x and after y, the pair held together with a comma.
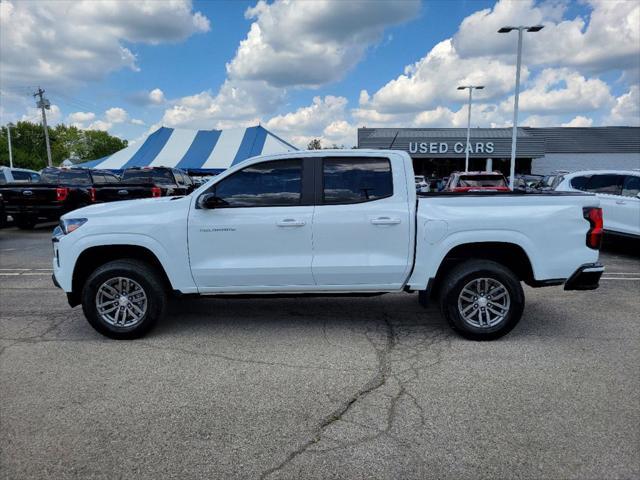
x: 619, y: 194
x: 18, y: 175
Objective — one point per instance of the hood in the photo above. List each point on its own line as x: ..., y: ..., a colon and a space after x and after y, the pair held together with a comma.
x: 125, y: 207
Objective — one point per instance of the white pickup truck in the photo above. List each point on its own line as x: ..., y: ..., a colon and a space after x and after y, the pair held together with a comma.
x: 324, y: 223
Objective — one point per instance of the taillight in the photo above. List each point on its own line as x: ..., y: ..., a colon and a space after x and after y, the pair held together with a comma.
x: 61, y: 194
x: 594, y: 235
x: 156, y: 192
x: 92, y: 194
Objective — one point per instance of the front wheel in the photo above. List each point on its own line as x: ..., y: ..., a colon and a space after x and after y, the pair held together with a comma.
x: 124, y: 299
x: 482, y: 299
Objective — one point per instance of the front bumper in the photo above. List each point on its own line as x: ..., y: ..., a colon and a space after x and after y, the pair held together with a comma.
x: 585, y: 278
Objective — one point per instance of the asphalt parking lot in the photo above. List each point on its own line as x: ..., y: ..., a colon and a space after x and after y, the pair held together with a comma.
x: 317, y: 387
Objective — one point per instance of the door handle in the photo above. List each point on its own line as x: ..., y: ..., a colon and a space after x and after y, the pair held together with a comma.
x: 385, y: 221
x: 291, y: 222
x: 620, y: 202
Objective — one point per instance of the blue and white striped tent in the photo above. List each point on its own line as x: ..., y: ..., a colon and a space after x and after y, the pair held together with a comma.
x: 214, y: 150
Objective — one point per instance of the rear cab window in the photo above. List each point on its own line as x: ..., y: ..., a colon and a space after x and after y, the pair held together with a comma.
x: 69, y: 177
x: 153, y: 176
x: 481, y: 181
x: 348, y: 180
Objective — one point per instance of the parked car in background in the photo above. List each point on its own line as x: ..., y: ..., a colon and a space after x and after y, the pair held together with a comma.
x: 422, y: 186
x: 18, y: 175
x: 171, y: 181
x: 326, y: 222
x: 61, y: 190
x: 528, y: 182
x: 619, y: 194
x: 476, y: 182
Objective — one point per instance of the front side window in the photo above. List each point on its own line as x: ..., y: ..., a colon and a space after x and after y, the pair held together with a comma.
x: 3, y: 179
x: 631, y: 186
x: 266, y: 184
x: 579, y: 183
x: 607, y: 184
x: 356, y: 180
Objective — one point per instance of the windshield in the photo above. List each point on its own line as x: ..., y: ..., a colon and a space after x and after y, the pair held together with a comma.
x: 161, y: 177
x: 482, y: 181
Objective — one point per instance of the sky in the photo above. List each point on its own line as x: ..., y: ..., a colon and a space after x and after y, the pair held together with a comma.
x: 317, y: 68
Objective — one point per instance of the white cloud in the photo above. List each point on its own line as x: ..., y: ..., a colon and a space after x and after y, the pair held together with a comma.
x: 312, y: 43
x: 156, y: 96
x: 323, y: 119
x: 584, y: 43
x: 561, y: 91
x: 34, y: 115
x: 67, y: 42
x: 100, y: 125
x: 116, y: 115
x: 137, y: 121
x: 433, y: 80
x: 626, y: 110
x: 80, y: 118
x: 579, y: 121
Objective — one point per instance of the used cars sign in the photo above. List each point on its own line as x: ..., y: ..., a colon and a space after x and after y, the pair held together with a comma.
x: 444, y: 147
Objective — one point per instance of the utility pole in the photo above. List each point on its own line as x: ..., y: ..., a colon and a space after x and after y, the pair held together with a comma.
x: 514, y: 133
x: 466, y: 155
x: 44, y: 104
x: 9, y: 125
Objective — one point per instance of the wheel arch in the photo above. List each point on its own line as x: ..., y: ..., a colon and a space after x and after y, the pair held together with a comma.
x: 93, y: 257
x: 510, y: 255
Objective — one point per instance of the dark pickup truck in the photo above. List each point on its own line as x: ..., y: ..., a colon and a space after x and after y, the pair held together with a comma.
x: 63, y: 190
x: 171, y: 181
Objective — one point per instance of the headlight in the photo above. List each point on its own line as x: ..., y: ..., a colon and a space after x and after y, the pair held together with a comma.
x: 70, y: 224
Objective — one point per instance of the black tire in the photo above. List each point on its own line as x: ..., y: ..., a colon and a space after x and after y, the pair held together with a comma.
x: 25, y: 222
x: 146, y: 276
x: 469, y: 271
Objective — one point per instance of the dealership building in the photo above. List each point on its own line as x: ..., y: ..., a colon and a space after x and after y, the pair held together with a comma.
x: 440, y: 151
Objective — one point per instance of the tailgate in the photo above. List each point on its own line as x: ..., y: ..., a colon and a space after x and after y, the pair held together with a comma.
x: 124, y: 191
x: 23, y: 197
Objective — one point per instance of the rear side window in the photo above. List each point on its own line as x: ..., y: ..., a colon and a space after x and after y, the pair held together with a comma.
x: 19, y: 176
x: 631, y: 186
x: 75, y: 178
x: 3, y: 179
x: 98, y: 178
x: 579, y: 183
x: 274, y: 183
x: 608, y: 184
x: 356, y: 180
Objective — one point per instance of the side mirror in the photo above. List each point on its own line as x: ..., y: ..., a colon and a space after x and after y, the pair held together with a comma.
x: 210, y: 201
x: 638, y: 195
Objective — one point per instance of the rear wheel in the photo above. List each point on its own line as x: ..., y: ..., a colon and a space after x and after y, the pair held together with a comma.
x: 482, y: 299
x: 124, y: 299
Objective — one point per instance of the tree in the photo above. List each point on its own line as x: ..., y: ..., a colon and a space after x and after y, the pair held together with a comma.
x: 314, y: 144
x: 29, y: 150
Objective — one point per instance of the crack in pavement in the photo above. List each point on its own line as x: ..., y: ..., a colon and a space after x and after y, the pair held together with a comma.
x: 381, y: 378
x: 378, y: 380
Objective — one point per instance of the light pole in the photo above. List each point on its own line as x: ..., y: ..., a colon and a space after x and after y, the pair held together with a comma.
x: 466, y: 149
x: 9, y: 127
x: 514, y: 137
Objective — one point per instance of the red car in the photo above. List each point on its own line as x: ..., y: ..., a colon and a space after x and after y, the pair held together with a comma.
x: 476, y: 182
